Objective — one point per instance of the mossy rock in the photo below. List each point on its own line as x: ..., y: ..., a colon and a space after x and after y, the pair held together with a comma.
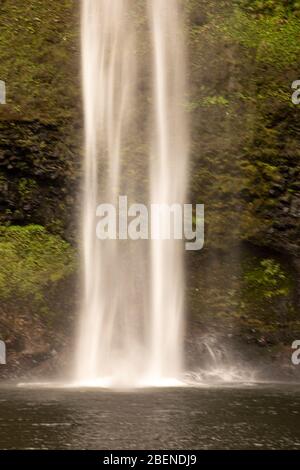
x: 34, y: 266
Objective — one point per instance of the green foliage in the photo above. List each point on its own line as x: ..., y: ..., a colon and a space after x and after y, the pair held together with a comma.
x: 243, y: 288
x: 32, y: 261
x: 270, y: 7
x: 215, y: 101
x: 267, y: 292
x: 27, y: 188
x: 245, y: 55
x: 39, y: 58
x: 274, y: 38
x: 267, y: 280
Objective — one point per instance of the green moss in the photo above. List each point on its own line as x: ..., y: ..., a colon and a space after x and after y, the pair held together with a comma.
x: 32, y: 262
x: 242, y: 288
x: 215, y: 101
x: 270, y: 7
x: 275, y: 39
x: 27, y: 187
x: 39, y: 58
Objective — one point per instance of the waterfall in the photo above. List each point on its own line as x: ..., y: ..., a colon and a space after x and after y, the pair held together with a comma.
x: 168, y: 184
x: 131, y: 322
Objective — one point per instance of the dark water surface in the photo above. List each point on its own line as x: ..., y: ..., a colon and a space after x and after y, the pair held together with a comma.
x: 256, y: 417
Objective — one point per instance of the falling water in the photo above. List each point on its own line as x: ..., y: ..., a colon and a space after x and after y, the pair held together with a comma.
x: 168, y: 184
x: 131, y: 325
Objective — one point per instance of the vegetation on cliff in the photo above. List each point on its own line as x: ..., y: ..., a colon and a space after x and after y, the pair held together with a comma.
x: 33, y: 262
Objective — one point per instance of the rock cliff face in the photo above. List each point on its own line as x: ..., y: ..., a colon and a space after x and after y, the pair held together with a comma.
x: 246, y: 129
x: 39, y: 175
x: 245, y: 166
x: 41, y: 123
